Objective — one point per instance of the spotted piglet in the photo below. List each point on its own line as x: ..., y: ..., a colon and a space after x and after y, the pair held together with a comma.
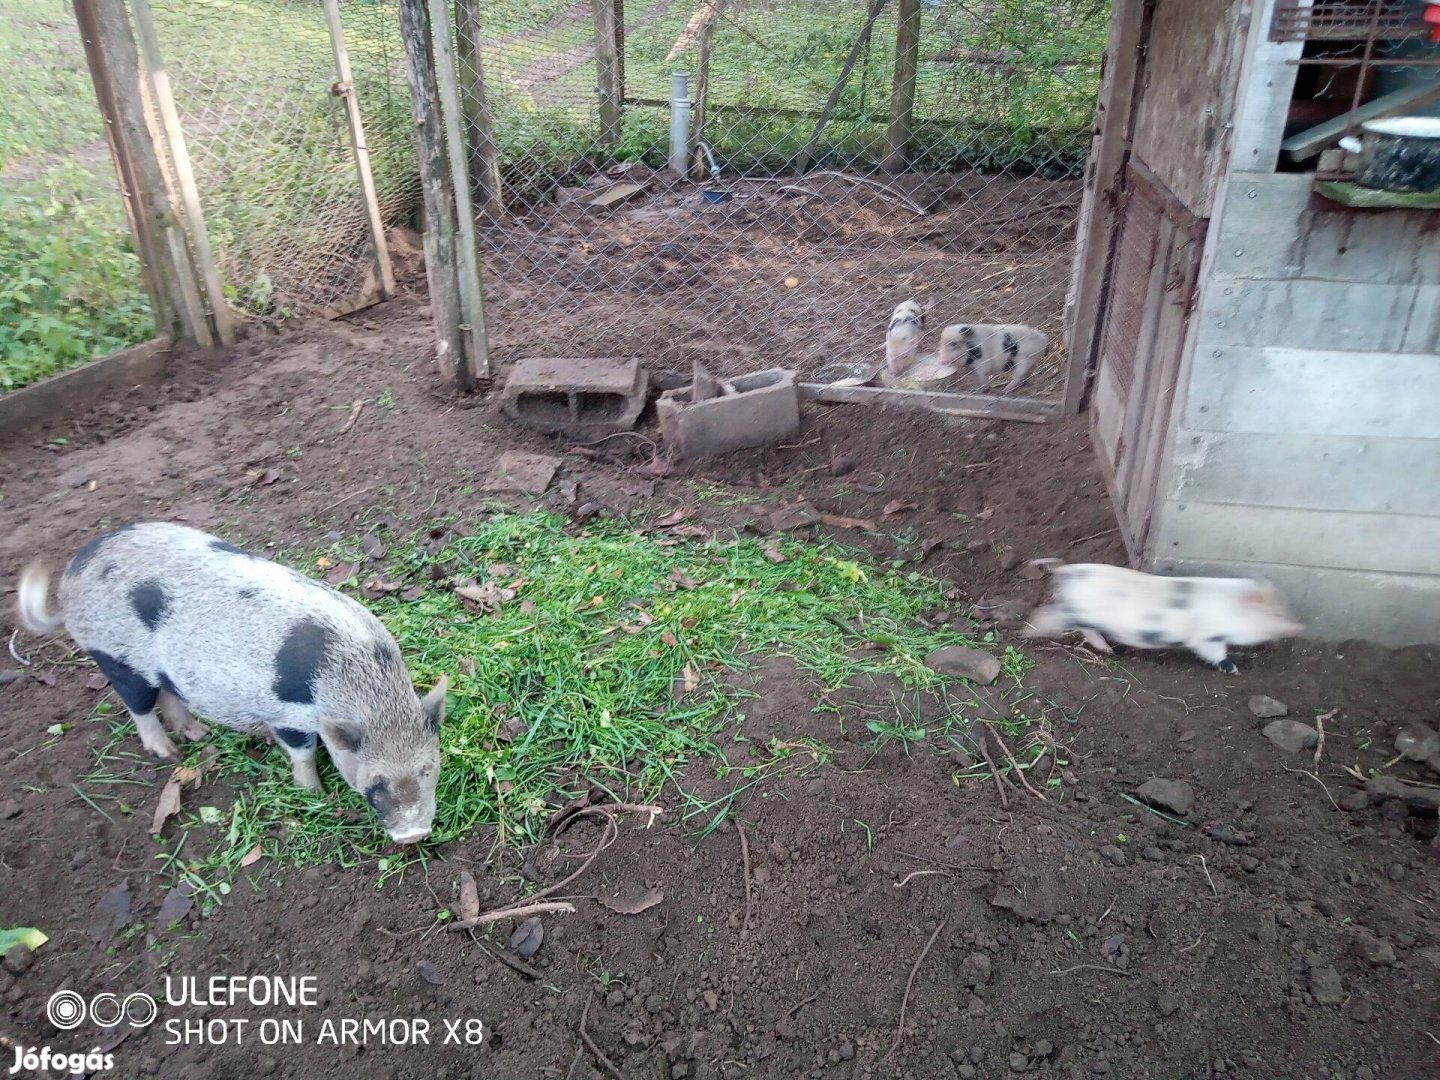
x: 902, y: 336
x: 1204, y: 615
x: 179, y: 620
x: 986, y: 349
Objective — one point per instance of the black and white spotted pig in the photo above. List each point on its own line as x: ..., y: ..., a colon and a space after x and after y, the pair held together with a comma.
x: 987, y: 348
x: 179, y: 620
x: 1204, y: 615
x: 902, y: 336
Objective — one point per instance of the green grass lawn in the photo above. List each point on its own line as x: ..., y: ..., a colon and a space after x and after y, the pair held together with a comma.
x: 604, y: 663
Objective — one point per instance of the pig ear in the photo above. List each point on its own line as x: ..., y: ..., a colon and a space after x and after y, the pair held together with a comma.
x: 346, y: 734
x: 433, y: 704
x: 1254, y: 597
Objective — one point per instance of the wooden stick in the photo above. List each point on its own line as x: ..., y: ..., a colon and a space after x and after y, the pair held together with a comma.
x: 1013, y: 763
x: 904, y: 1001
x: 861, y: 40
x: 345, y: 89
x: 1320, y: 731
x: 1092, y: 967
x: 590, y: 1043
x: 184, y: 171
x: 995, y: 774
x: 501, y: 914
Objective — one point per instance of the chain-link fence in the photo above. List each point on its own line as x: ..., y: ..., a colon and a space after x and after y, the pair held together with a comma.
x: 826, y: 183
x: 271, y: 149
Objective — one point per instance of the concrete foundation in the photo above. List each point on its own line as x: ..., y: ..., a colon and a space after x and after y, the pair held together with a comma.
x: 764, y: 409
x: 581, y: 397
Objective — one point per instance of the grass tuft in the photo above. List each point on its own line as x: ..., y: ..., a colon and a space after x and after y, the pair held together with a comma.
x: 606, y: 663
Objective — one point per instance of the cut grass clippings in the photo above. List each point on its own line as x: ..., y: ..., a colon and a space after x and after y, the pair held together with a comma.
x: 605, y: 664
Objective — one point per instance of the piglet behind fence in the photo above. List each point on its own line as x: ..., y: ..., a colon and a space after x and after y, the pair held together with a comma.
x: 181, y: 621
x: 986, y: 349
x: 902, y: 336
x: 1204, y: 615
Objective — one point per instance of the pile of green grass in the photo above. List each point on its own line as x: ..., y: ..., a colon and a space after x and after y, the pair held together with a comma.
x: 572, y: 681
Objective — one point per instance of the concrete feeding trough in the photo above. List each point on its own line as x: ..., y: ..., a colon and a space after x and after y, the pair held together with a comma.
x: 581, y: 397
x: 758, y: 410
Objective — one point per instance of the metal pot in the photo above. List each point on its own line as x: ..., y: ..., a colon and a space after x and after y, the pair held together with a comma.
x: 1399, y: 154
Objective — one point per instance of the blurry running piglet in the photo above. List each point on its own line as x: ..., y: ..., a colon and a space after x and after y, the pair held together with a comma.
x: 902, y: 337
x: 987, y: 348
x: 1204, y: 615
x: 179, y: 620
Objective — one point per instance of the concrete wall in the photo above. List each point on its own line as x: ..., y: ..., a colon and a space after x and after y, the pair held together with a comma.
x: 1305, y: 445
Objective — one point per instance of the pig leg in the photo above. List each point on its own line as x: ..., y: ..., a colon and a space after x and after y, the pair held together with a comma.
x: 139, y: 697
x: 1047, y: 621
x: 1212, y: 651
x: 1095, y: 640
x: 300, y: 747
x: 177, y: 717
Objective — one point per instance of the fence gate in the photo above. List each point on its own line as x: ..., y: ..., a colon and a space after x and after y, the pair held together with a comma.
x: 284, y: 194
x: 1154, y: 276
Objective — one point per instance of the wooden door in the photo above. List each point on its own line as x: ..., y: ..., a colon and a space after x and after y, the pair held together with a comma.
x: 1152, y: 292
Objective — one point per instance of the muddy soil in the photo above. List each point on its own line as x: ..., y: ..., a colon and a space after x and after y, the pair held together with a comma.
x: 1079, y: 936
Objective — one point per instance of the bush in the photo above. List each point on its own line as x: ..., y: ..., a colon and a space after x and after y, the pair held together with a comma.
x: 70, y: 282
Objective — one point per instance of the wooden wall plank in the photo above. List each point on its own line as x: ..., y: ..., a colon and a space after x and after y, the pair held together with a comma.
x: 1324, y: 315
x: 1392, y: 609
x: 1314, y: 392
x: 1310, y: 472
x: 1390, y: 543
x: 1269, y: 231
x: 1189, y: 96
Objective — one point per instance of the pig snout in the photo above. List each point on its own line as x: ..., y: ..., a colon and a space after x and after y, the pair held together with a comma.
x: 406, y: 807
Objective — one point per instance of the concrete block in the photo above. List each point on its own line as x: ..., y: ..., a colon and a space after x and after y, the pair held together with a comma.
x: 581, y: 397
x: 764, y: 409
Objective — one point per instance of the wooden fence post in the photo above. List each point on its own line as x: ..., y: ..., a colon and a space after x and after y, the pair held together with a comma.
x: 438, y: 197
x: 345, y: 88
x: 607, y: 71
x: 115, y: 69
x: 184, y: 173
x: 902, y: 96
x: 701, y: 167
x: 479, y: 124
x: 467, y: 267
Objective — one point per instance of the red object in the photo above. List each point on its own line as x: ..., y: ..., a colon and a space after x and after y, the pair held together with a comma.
x: 1432, y: 16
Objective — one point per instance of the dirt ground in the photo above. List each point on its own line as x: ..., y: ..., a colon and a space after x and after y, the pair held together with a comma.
x: 795, y: 272
x: 1080, y: 936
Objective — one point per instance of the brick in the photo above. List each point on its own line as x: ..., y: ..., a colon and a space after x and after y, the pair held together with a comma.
x: 582, y: 397
x: 764, y: 409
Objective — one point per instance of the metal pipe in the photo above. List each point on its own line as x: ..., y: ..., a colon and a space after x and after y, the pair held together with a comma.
x: 714, y: 168
x: 680, y: 122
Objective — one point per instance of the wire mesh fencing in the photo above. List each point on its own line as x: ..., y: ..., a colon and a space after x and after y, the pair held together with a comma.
x: 831, y: 160
x: 254, y: 85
